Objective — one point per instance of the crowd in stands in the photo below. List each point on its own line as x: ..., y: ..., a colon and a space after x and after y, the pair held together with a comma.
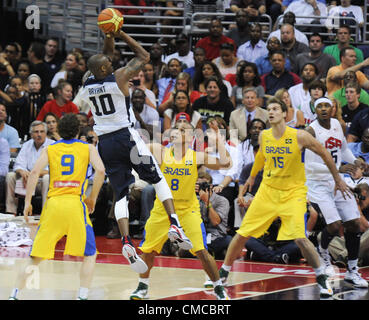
x: 224, y: 81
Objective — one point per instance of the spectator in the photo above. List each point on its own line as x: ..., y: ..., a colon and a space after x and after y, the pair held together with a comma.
x: 279, y: 77
x: 290, y: 18
x: 52, y: 57
x: 214, y: 210
x: 241, y: 118
x: 199, y: 58
x: 147, y: 117
x: 69, y: 70
x: 227, y: 61
x: 303, y: 8
x: 61, y: 104
x: 263, y: 63
x: 361, y: 149
x: 255, y: 47
x: 209, y: 69
x: 214, y: 103
x: 24, y: 163
x: 181, y: 103
x: 337, y: 113
x: 213, y: 41
x: 36, y: 54
x: 300, y: 92
x: 150, y: 78
x: 335, y: 74
x: 51, y: 121
x: 7, y: 132
x: 166, y: 84
x: 247, y: 77
x: 35, y: 97
x: 317, y: 89
x: 253, y: 8
x: 343, y: 41
x: 353, y: 106
x: 232, y: 78
x: 274, y: 9
x: 4, y: 168
x: 183, y: 53
x: 341, y: 93
x: 295, y: 117
x: 290, y: 46
x: 23, y: 71
x: 139, y: 82
x: 83, y: 122
x: 240, y: 34
x: 156, y: 53
x: 348, y: 10
x: 183, y: 82
x: 12, y: 54
x: 322, y: 60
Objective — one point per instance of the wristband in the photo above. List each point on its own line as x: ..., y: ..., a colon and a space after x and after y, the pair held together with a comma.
x: 6, y: 64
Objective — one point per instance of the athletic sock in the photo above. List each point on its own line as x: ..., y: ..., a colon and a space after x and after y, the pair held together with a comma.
x: 144, y: 280
x: 352, y: 264
x: 83, y: 293
x: 127, y: 240
x: 226, y: 268
x: 14, y: 293
x: 318, y: 271
x: 217, y: 283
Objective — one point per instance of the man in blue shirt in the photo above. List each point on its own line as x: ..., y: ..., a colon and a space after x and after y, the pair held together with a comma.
x: 361, y: 149
x: 7, y: 132
x: 4, y: 167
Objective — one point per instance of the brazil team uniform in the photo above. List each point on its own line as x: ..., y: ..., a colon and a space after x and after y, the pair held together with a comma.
x: 282, y: 192
x: 64, y: 212
x: 181, y: 177
x: 120, y: 146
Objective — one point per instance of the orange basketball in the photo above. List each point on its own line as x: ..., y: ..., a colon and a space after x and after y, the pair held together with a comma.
x: 110, y: 20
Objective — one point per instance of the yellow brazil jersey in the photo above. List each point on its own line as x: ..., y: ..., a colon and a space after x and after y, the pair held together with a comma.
x: 68, y: 162
x: 284, y: 162
x: 181, y: 176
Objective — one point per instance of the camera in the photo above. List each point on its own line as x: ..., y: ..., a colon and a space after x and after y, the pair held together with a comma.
x: 90, y: 139
x: 204, y: 186
x: 358, y: 195
x: 136, y: 82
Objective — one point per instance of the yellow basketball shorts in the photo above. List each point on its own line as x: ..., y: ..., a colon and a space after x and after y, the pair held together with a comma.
x: 64, y: 215
x: 270, y: 203
x: 157, y: 227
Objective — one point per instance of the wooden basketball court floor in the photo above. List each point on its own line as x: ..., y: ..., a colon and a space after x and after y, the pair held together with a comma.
x: 172, y: 278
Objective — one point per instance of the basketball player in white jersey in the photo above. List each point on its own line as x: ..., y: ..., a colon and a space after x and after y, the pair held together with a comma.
x: 120, y: 145
x: 321, y: 193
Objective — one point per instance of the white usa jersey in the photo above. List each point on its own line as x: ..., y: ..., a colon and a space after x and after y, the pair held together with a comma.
x: 110, y: 108
x: 334, y: 141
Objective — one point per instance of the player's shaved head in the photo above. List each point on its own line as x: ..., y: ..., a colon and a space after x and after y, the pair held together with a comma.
x: 98, y: 65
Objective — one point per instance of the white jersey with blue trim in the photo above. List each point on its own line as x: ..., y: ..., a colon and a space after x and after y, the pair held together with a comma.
x: 110, y: 108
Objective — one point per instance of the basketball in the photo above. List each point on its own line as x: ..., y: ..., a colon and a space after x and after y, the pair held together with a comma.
x: 110, y: 20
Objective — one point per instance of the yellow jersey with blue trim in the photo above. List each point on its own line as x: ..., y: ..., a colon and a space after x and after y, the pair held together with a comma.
x: 284, y: 161
x: 181, y: 176
x: 68, y: 162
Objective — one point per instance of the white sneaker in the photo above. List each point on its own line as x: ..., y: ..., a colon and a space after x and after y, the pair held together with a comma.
x: 140, y: 293
x: 176, y: 234
x: 354, y: 277
x: 136, y: 263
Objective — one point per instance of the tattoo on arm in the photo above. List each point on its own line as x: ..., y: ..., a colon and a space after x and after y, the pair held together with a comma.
x: 133, y: 67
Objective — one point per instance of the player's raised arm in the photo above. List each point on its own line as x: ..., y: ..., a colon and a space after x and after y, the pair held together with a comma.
x: 40, y: 164
x: 306, y: 140
x: 99, y: 178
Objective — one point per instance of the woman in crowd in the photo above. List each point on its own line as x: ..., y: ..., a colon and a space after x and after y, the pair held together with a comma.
x: 35, y: 97
x: 247, y: 77
x: 209, y: 69
x: 295, y: 118
x: 227, y: 61
x: 23, y: 71
x: 51, y: 121
x: 181, y: 103
x: 150, y: 78
x: 337, y: 113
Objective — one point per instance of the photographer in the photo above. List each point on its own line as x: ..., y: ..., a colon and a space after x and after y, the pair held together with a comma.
x: 214, y: 210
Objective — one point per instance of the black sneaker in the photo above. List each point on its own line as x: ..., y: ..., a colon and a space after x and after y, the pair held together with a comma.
x: 324, y: 286
x: 223, y: 274
x: 221, y: 293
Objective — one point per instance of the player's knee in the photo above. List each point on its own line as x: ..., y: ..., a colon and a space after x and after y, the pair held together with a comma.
x: 121, y: 209
x: 334, y: 228
x: 302, y: 243
x: 352, y: 226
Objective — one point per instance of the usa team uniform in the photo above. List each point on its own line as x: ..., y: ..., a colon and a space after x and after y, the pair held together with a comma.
x: 181, y: 177
x: 64, y: 212
x: 282, y: 192
x: 120, y: 146
x: 320, y: 182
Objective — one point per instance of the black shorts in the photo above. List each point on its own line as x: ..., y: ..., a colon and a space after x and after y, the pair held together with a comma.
x: 122, y: 151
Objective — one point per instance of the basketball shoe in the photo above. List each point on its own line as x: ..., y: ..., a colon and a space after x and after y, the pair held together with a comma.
x: 140, y: 293
x: 221, y: 293
x: 354, y: 277
x: 136, y: 263
x: 326, y: 262
x: 176, y: 234
x: 223, y: 274
x: 324, y: 286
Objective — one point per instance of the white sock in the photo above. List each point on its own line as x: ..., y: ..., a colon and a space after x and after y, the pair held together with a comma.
x: 352, y: 264
x: 83, y: 293
x: 14, y: 293
x: 323, y: 251
x: 217, y: 283
x: 226, y: 268
x: 318, y: 271
x: 144, y: 280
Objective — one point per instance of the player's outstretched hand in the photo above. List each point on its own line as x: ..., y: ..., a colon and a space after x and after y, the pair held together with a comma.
x: 90, y: 203
x: 27, y: 211
x: 343, y: 188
